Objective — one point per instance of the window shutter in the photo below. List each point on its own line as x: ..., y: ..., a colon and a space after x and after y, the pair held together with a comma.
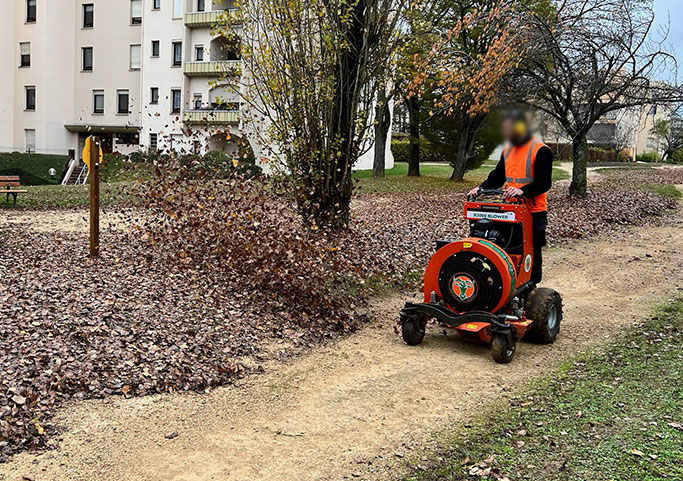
x: 135, y: 56
x: 177, y: 8
x: 136, y: 8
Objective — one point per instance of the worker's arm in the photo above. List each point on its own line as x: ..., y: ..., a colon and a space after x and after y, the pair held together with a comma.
x: 496, y: 177
x: 543, y: 173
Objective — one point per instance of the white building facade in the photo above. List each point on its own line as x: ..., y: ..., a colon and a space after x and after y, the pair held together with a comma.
x: 141, y: 74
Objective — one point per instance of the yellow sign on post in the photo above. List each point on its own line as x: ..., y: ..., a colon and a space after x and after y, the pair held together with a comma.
x: 92, y: 156
x: 86, y: 151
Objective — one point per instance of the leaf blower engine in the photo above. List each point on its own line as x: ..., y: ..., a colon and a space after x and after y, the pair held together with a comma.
x: 481, y: 287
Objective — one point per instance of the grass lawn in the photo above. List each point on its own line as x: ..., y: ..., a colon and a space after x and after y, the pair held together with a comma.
x: 610, y: 415
x: 667, y: 190
x: 32, y: 169
x: 432, y: 177
x: 68, y: 195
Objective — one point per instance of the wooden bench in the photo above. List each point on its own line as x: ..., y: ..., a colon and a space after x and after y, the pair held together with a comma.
x: 6, y: 183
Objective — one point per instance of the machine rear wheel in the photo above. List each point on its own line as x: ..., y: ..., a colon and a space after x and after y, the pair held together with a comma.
x: 544, y: 308
x: 503, y: 352
x: 413, y: 329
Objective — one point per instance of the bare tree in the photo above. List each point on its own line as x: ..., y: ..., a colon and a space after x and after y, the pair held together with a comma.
x: 592, y: 57
x: 627, y: 123
x: 312, y: 70
x: 669, y: 133
x: 382, y: 126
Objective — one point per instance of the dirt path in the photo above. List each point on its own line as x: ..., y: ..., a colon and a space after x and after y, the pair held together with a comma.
x: 349, y: 409
x: 595, y: 172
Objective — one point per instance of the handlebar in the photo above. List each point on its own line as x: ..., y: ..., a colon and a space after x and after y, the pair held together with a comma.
x: 483, y: 192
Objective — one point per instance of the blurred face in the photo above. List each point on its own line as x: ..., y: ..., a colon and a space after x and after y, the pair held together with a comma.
x: 507, y: 129
x: 514, y: 131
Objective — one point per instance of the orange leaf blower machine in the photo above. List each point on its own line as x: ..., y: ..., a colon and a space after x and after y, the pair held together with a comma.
x: 480, y: 286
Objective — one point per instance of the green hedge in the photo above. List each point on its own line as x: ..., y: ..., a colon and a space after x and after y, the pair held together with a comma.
x: 32, y: 169
x: 648, y: 157
x: 401, y: 151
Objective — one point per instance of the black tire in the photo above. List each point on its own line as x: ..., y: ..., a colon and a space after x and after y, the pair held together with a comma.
x: 501, y: 349
x: 544, y: 308
x: 413, y: 330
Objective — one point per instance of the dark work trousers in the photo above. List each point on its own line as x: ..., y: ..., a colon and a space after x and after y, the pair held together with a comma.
x: 540, y: 222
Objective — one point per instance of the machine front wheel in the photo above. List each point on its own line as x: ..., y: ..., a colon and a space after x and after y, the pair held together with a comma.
x: 544, y: 308
x: 503, y: 352
x: 413, y: 329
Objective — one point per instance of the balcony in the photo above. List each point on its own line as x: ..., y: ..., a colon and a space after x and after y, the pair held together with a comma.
x: 208, y: 19
x: 211, y: 117
x: 211, y: 69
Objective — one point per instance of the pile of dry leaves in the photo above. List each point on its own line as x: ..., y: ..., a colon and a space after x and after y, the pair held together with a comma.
x: 208, y: 278
x: 396, y: 232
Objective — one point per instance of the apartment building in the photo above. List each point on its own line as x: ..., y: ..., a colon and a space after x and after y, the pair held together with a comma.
x: 141, y: 74
x: 628, y: 130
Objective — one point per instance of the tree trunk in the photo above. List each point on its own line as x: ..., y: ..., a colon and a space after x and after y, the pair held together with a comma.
x: 414, y: 131
x: 329, y: 199
x: 465, y: 146
x: 579, y: 158
x: 461, y: 154
x: 382, y: 124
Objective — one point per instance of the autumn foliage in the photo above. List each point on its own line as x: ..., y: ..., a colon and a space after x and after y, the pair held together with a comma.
x: 470, y: 59
x: 465, y: 74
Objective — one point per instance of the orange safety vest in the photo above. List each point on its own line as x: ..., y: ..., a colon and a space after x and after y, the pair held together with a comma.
x: 519, y: 170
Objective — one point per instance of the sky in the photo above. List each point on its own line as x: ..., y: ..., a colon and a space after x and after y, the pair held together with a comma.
x: 671, y: 11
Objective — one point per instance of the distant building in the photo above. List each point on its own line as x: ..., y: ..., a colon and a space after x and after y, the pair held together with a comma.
x: 628, y: 130
x: 141, y: 74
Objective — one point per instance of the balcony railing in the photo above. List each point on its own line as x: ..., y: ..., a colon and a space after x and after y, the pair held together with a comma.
x: 211, y: 69
x: 207, y: 19
x: 211, y: 117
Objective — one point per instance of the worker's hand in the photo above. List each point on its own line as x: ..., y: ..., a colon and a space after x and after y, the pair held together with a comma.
x: 512, y: 192
x: 473, y: 192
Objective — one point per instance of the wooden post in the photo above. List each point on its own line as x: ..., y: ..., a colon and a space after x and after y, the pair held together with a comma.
x: 94, y: 196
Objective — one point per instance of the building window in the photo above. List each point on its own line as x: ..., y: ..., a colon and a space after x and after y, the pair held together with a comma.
x: 197, y: 101
x: 25, y: 53
x: 88, y: 15
x: 177, y: 54
x: 201, y: 5
x: 98, y: 101
x: 177, y: 8
x: 175, y: 143
x: 156, y: 5
x: 127, y: 139
x: 199, y: 53
x: 175, y: 101
x: 155, y: 48
x: 650, y: 142
x: 30, y: 98
x: 153, y: 141
x: 30, y: 135
x: 87, y: 59
x: 135, y: 57
x: 135, y: 12
x: 30, y: 11
x: 122, y: 107
x: 154, y: 95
